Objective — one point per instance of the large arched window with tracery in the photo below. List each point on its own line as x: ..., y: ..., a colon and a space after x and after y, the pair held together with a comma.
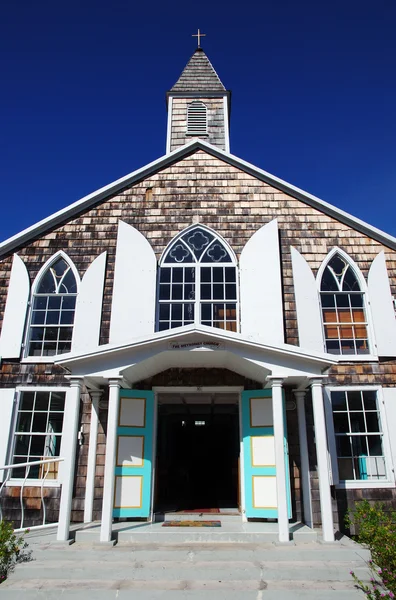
x: 52, y: 312
x: 343, y: 309
x: 198, y: 282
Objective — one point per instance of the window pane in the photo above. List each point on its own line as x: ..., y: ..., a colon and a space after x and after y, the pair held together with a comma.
x: 328, y: 282
x: 67, y: 317
x: 54, y: 302
x: 37, y: 445
x: 333, y: 347
x: 40, y: 422
x: 164, y: 311
x: 177, y: 291
x: 55, y: 422
x: 345, y: 468
x: 57, y: 401
x: 27, y: 399
x: 372, y: 422
x: 230, y: 274
x: 357, y: 422
x: 165, y: 275
x: 206, y: 312
x: 52, y: 317
x: 344, y: 316
x: 24, y: 422
x: 42, y: 401
x: 343, y: 445
x: 176, y: 312
x: 22, y: 445
x: 40, y: 302
x: 338, y: 400
x: 218, y: 291
x: 342, y: 300
x: 69, y: 302
x: 218, y: 274
x: 356, y: 300
x: 328, y: 300
x: 164, y: 292
x: 37, y: 333
x: 341, y: 424
x: 230, y: 291
x: 38, y: 317
x: 189, y: 274
x: 189, y: 292
x: 177, y: 275
x: 355, y: 401
x: 375, y: 445
x: 350, y: 281
x: 206, y: 291
x: 359, y: 445
x: 329, y: 316
x: 370, y: 400
x: 188, y: 312
x: 47, y: 284
x: 65, y: 334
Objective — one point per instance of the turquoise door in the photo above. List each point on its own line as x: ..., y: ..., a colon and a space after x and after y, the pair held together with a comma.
x: 134, y: 460
x: 259, y: 456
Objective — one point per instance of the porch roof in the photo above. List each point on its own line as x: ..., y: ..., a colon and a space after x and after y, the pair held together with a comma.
x: 195, y: 347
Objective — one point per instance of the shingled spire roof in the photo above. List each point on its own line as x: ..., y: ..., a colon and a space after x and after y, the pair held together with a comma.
x: 198, y: 76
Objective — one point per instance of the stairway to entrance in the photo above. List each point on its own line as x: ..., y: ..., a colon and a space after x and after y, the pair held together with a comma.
x: 169, y: 570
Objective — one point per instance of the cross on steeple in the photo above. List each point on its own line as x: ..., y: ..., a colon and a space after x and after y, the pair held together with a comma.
x: 199, y: 35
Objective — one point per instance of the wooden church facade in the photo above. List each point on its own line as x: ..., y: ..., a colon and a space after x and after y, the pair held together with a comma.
x: 197, y: 335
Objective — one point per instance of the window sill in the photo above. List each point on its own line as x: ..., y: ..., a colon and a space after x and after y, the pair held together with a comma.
x: 355, y: 358
x: 38, y: 359
x: 55, y: 483
x: 359, y: 485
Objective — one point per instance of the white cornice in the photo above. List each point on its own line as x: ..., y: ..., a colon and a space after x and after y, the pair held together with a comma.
x: 88, y: 201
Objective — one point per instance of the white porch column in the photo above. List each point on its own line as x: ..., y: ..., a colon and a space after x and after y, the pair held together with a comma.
x: 69, y: 444
x: 304, y: 458
x: 110, y: 458
x: 93, y: 438
x: 279, y: 434
x: 326, y: 508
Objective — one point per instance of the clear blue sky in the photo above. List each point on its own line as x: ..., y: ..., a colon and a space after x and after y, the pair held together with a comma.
x: 83, y: 95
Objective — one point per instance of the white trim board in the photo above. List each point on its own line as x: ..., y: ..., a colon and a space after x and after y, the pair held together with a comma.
x: 88, y: 201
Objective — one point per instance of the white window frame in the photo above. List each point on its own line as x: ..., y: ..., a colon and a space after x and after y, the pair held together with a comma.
x: 197, y: 266
x: 350, y: 484
x: 51, y: 358
x: 17, y: 481
x: 372, y: 355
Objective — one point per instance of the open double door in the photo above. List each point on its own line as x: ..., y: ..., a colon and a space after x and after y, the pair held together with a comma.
x: 221, y: 459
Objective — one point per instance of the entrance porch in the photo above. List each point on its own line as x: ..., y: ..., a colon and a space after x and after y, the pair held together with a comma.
x: 262, y: 487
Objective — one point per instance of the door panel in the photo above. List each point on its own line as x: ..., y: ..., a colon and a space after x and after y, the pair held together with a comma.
x: 259, y: 456
x: 132, y: 493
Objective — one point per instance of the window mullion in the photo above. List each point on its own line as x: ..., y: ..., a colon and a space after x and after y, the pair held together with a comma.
x: 197, y: 306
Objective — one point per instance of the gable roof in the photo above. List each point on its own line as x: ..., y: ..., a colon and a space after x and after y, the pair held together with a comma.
x: 100, y: 195
x: 198, y: 76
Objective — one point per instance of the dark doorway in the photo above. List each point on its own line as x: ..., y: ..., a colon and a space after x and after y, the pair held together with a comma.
x: 197, y: 457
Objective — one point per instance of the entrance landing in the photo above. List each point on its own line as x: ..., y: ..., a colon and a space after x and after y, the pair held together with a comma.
x: 232, y: 530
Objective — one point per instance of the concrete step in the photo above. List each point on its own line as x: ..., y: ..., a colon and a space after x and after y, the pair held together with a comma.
x: 196, y: 571
x: 233, y: 591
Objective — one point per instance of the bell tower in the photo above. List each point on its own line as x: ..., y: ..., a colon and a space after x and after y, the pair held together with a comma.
x: 198, y: 106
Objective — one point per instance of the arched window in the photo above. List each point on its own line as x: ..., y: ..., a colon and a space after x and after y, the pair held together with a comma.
x: 198, y: 282
x: 343, y: 308
x: 53, y: 306
x: 197, y: 118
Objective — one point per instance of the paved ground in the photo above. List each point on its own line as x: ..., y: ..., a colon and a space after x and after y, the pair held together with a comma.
x: 187, y: 571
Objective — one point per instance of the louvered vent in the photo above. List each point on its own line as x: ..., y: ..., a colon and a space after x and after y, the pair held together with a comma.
x: 197, y: 119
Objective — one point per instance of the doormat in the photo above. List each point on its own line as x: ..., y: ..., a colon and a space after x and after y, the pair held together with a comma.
x: 191, y: 524
x: 200, y: 510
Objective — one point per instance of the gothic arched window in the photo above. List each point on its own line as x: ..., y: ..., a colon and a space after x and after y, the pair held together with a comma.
x: 343, y: 308
x: 198, y: 282
x: 53, y: 306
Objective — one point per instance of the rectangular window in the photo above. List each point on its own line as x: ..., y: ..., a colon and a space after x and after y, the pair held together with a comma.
x: 345, y: 323
x: 38, y: 432
x: 358, y: 435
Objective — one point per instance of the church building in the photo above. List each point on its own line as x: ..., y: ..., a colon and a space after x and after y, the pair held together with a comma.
x: 197, y: 336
